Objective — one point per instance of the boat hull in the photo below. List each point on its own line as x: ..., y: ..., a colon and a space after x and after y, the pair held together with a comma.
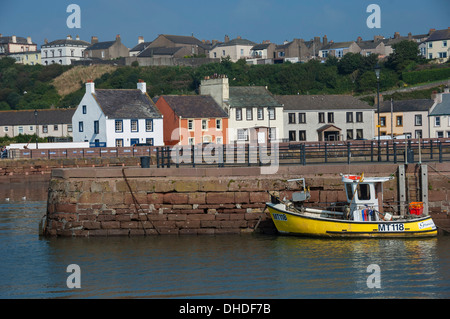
x: 291, y: 223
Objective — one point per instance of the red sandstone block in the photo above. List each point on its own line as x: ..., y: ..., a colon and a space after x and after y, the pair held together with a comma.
x: 137, y: 232
x: 232, y: 224
x: 196, y: 198
x: 159, y: 224
x: 227, y: 231
x: 155, y: 198
x: 437, y: 196
x: 110, y: 224
x: 175, y: 198
x: 241, y: 197
x: 123, y: 217
x: 87, y: 217
x: 98, y: 233
x: 91, y: 225
x: 112, y: 198
x: 200, y: 217
x: 191, y: 224
x: 129, y: 225
x: 222, y: 216
x: 205, y: 231
x: 209, y: 224
x: 66, y: 208
x: 220, y: 198
x: 168, y: 231
x: 90, y: 198
x: 259, y: 197
x: 117, y: 232
x: 153, y: 217
x: 237, y: 216
x: 65, y: 216
x: 188, y: 231
x: 177, y: 217
x: 105, y: 217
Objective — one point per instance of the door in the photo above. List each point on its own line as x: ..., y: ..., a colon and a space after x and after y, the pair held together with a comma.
x: 262, y: 137
x: 134, y: 141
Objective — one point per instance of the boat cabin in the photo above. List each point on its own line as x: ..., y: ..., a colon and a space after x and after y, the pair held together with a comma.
x: 364, y: 196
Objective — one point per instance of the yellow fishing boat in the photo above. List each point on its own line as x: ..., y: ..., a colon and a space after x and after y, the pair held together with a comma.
x: 362, y: 216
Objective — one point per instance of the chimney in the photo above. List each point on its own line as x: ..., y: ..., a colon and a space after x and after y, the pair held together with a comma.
x: 142, y: 86
x: 325, y: 40
x: 358, y: 40
x: 94, y: 40
x: 78, y: 37
x: 69, y: 37
x: 409, y: 36
x: 140, y: 40
x: 446, y: 89
x: 45, y: 41
x: 437, y: 97
x: 396, y: 35
x: 377, y: 38
x: 217, y: 87
x: 118, y: 38
x: 29, y: 40
x: 227, y: 39
x: 90, y: 87
x: 1, y: 35
x: 431, y: 31
x: 375, y: 99
x: 14, y: 39
x: 316, y: 39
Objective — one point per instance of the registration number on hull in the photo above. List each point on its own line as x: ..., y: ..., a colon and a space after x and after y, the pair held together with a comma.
x: 391, y: 227
x: 281, y: 217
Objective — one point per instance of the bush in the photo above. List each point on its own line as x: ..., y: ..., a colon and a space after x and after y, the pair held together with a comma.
x: 415, y: 77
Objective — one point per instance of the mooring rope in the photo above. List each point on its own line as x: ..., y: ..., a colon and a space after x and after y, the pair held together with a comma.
x: 137, y: 204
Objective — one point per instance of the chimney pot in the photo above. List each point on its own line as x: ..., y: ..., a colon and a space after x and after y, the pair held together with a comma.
x: 14, y: 39
x: 69, y: 37
x: 142, y: 86
x: 78, y: 37
x: 29, y: 40
x: 140, y: 40
x: 90, y: 87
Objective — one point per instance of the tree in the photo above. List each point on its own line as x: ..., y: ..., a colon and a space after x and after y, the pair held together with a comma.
x: 349, y: 63
x: 404, y: 53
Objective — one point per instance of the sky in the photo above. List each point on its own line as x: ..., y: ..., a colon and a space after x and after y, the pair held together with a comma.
x: 255, y: 20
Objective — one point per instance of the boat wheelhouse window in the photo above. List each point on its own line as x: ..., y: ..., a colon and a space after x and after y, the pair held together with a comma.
x: 363, y: 192
x: 349, y: 191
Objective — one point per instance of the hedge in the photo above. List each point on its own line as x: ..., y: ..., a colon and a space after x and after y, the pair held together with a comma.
x: 423, y: 76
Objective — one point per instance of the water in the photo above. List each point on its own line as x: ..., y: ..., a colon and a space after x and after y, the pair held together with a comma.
x: 212, y: 267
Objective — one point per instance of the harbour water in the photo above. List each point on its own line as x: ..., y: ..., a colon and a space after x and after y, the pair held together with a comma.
x: 211, y: 267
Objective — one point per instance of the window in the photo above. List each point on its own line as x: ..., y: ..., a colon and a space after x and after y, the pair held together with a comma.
x: 6, y: 129
x: 84, y: 109
x: 69, y: 128
x: 190, y: 125
x: 302, y: 135
x: 21, y: 130
x: 215, y: 54
x: 242, y: 52
x: 383, y: 121
x: 359, y: 134
x: 272, y: 133
x: 204, y: 125
x: 134, y: 126
x: 149, y: 141
x: 321, y: 117
x: 292, y: 136
x: 191, y: 141
x: 363, y: 192
x: 430, y: 56
x: 349, y: 134
x: 239, y: 114
x: 291, y: 118
x: 218, y: 124
x: 418, y: 134
x: 55, y: 127
x: 119, y: 126
x: 271, y: 114
x: 418, y: 120
x: 302, y: 118
x: 80, y: 127
x: 249, y: 114
x: 399, y: 120
x: 119, y: 142
x: 260, y: 113
x: 242, y: 134
x: 223, y: 52
x: 439, y: 134
x: 219, y: 140
x: 359, y: 117
x: 330, y: 117
x: 149, y: 125
x: 437, y: 121
x: 442, y: 55
x: 444, y: 43
x: 430, y: 45
x: 349, y: 116
x: 96, y: 127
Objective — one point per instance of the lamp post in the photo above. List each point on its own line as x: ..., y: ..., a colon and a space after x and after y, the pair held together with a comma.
x: 377, y: 73
x: 36, y: 125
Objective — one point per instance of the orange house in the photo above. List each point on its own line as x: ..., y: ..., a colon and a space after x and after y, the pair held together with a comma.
x: 192, y: 119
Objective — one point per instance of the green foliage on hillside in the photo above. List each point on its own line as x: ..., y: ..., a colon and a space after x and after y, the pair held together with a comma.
x: 28, y: 87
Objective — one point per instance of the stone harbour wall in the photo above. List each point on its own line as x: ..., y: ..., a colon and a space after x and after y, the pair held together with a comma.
x: 132, y: 201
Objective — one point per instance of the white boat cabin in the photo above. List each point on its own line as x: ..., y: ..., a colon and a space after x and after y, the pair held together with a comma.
x: 365, y: 196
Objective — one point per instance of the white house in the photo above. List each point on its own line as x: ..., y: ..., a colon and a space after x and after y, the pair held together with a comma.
x: 326, y: 118
x: 440, y: 115
x: 63, y: 51
x: 117, y: 118
x: 236, y: 49
x: 254, y: 115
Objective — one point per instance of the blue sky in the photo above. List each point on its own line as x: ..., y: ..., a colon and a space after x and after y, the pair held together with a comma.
x: 256, y: 20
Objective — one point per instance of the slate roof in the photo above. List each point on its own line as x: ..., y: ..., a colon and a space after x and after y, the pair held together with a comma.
x: 369, y: 44
x: 235, y: 42
x: 195, y: 106
x: 66, y: 42
x: 44, y: 117
x: 19, y: 40
x: 261, y: 46
x: 251, y: 96
x: 439, y: 35
x: 149, y: 52
x: 182, y: 39
x: 101, y: 45
x: 442, y: 108
x: 337, y: 45
x: 141, y: 46
x: 321, y: 102
x: 418, y: 105
x: 126, y: 104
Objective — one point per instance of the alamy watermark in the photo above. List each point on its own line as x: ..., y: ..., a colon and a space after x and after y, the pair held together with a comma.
x: 74, y: 20
x: 374, y: 20
x: 374, y: 279
x: 74, y: 280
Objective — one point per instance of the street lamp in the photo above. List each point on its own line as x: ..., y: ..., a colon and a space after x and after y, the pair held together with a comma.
x: 36, y: 125
x: 377, y: 73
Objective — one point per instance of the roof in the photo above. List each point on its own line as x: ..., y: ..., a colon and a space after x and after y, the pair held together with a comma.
x: 140, y: 47
x: 261, y: 46
x: 337, y: 45
x: 195, y: 106
x: 439, y: 35
x: 236, y: 41
x: 419, y: 105
x: 369, y: 44
x: 19, y: 40
x: 442, y: 108
x: 251, y: 96
x: 44, y: 117
x: 66, y: 42
x: 149, y: 52
x: 321, y: 102
x: 182, y: 39
x: 101, y: 45
x: 126, y: 104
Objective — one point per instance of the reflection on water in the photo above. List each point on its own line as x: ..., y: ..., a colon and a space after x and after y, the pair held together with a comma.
x: 250, y: 266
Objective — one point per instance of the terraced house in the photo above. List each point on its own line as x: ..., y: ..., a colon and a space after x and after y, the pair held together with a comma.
x: 117, y: 118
